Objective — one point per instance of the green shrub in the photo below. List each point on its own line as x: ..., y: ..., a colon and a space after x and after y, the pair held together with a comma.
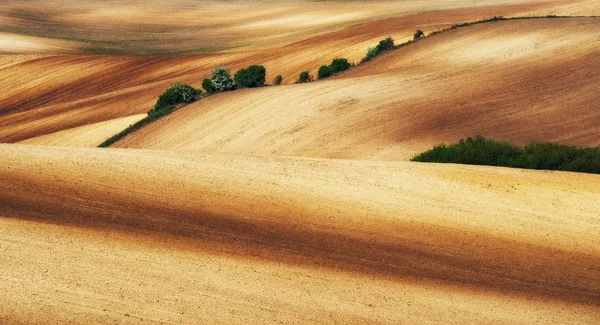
x: 221, y: 80
x: 277, y: 80
x: 548, y: 156
x: 338, y: 65
x: 207, y: 84
x: 304, y: 77
x: 253, y: 76
x: 324, y: 72
x: 385, y: 45
x: 176, y: 94
x: 418, y: 34
x: 371, y: 53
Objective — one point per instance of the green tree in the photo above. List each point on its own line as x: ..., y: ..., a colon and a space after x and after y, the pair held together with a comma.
x: 221, y: 79
x: 253, y: 76
x: 372, y: 52
x: 324, y: 72
x: 304, y: 77
x: 177, y: 93
x: 339, y: 65
x: 386, y: 44
x: 207, y: 84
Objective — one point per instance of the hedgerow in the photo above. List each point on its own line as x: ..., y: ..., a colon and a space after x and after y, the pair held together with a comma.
x: 548, y: 156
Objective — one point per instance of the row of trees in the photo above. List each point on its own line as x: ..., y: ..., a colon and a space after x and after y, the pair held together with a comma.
x: 254, y: 76
x: 336, y: 66
x: 341, y: 64
x: 387, y: 44
x: 251, y: 77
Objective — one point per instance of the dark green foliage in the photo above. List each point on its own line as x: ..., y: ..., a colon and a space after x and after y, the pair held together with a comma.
x: 338, y: 65
x: 385, y: 45
x: 208, y: 85
x: 175, y: 94
x: 324, y: 72
x: 418, y: 34
x: 253, y: 76
x: 304, y: 77
x: 372, y: 52
x: 548, y: 156
x: 277, y: 80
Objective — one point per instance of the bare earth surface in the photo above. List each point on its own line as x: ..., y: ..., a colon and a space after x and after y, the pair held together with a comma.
x: 278, y: 238
x: 47, y: 95
x: 518, y: 81
x: 86, y: 136
x: 294, y: 204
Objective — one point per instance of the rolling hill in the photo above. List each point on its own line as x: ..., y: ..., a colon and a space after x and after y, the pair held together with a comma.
x: 58, y: 92
x: 295, y: 204
x: 517, y: 81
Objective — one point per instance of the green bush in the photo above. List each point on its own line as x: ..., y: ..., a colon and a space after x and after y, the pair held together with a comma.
x: 221, y: 80
x: 418, y: 34
x: 338, y: 65
x: 548, y: 156
x: 304, y: 77
x: 176, y: 94
x: 385, y: 45
x: 277, y: 80
x: 253, y: 76
x: 324, y: 72
x: 207, y: 84
x: 371, y: 53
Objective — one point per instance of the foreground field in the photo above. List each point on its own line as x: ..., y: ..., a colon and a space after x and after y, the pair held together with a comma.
x: 278, y: 238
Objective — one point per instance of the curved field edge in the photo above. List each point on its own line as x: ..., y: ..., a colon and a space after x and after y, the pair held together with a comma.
x: 491, y: 79
x: 149, y: 119
x: 508, y: 231
x: 78, y: 90
x: 89, y: 135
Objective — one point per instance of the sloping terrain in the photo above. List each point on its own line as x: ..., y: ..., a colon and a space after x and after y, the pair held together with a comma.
x: 518, y: 81
x: 51, y: 94
x: 155, y: 27
x: 291, y: 239
x: 86, y: 135
x: 231, y: 211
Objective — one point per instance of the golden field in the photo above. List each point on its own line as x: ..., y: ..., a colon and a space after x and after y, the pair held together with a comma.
x: 295, y: 204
